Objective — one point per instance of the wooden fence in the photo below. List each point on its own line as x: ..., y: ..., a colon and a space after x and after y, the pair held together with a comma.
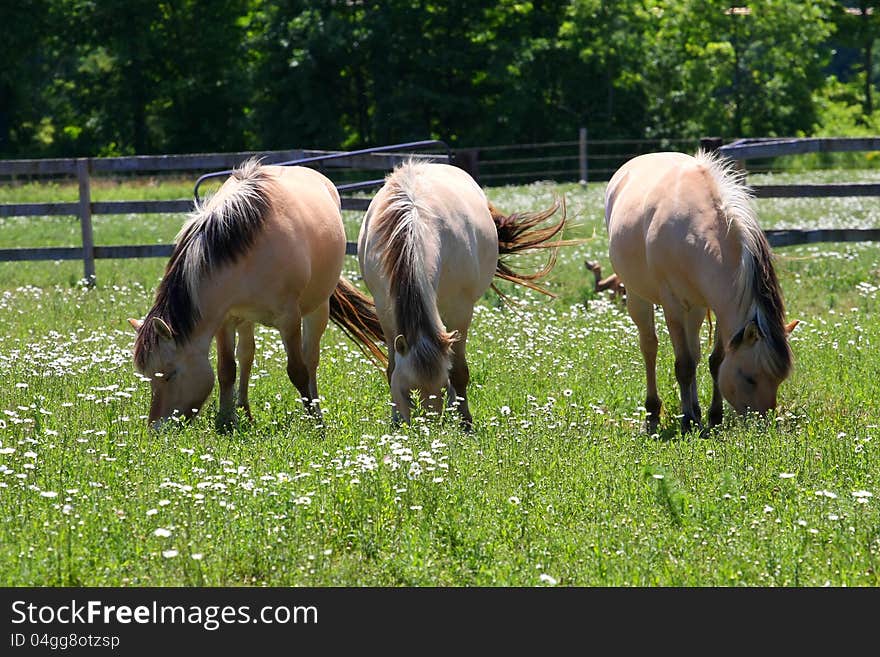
x: 517, y: 162
x: 84, y: 208
x: 581, y: 160
x: 750, y: 149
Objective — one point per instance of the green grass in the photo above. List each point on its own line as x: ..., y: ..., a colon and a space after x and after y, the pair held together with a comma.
x: 557, y: 484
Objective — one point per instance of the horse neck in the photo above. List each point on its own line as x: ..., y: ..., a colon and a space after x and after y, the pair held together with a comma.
x: 205, y: 303
x: 216, y: 296
x: 744, y: 304
x: 732, y: 314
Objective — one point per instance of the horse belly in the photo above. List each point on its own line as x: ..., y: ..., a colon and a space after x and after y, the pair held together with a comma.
x: 662, y: 272
x: 293, y: 272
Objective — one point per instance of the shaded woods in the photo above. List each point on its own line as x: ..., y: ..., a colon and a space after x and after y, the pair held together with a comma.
x: 113, y: 77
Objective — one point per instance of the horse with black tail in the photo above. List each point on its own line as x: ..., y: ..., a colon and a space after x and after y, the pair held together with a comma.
x: 429, y: 248
x: 267, y: 248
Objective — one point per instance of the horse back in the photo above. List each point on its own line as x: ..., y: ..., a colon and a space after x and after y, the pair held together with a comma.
x: 666, y: 229
x: 458, y: 236
x: 298, y: 257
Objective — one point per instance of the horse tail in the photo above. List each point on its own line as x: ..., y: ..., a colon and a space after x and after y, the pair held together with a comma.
x: 401, y: 230
x: 709, y: 321
x: 355, y: 313
x: 520, y: 232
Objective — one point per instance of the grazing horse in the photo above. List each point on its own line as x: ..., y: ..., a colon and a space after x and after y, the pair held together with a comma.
x: 428, y: 249
x: 683, y: 234
x: 268, y: 247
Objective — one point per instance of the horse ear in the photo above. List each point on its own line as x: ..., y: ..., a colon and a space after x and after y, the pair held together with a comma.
x: 791, y: 326
x: 751, y: 333
x: 400, y: 345
x: 162, y: 328
x: 135, y: 323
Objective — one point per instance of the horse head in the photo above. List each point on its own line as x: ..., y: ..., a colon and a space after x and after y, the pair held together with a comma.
x: 423, y: 368
x: 751, y: 373
x: 181, y: 378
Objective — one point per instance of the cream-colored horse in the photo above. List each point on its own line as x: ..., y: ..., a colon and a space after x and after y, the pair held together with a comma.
x: 428, y: 249
x: 267, y: 248
x: 683, y: 234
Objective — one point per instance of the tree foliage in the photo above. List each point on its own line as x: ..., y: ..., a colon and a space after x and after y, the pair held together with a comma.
x: 143, y: 76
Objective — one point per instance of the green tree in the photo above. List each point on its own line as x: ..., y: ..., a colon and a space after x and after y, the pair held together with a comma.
x: 749, y: 71
x: 858, y: 26
x: 24, y: 30
x: 603, y: 80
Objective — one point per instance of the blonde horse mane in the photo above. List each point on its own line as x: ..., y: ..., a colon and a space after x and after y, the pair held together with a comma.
x: 402, y: 233
x: 216, y: 234
x: 758, y: 288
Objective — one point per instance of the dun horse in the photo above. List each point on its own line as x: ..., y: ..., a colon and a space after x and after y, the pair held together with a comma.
x: 268, y: 247
x: 428, y: 249
x: 683, y: 234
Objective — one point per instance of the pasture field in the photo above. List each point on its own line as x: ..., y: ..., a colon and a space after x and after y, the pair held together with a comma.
x: 557, y: 485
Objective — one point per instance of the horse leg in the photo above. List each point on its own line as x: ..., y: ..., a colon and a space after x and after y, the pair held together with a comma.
x: 226, y: 374
x: 716, y: 410
x: 684, y: 331
x: 297, y: 372
x: 459, y: 377
x: 244, y: 352
x: 396, y: 414
x: 314, y: 325
x: 389, y: 333
x: 693, y: 321
x: 642, y: 313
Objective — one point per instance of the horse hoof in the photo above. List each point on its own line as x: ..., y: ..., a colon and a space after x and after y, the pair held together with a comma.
x: 709, y: 431
x: 690, y: 425
x: 226, y: 424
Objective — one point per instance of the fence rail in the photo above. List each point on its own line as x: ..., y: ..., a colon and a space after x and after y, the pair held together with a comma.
x: 817, y: 190
x: 748, y: 149
x: 751, y: 149
x: 794, y: 237
x: 581, y: 160
x: 380, y: 158
x: 576, y: 160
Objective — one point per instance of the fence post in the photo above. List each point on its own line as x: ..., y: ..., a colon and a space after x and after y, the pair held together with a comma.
x: 714, y: 143
x: 582, y: 155
x: 469, y: 160
x: 711, y: 143
x: 83, y: 167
